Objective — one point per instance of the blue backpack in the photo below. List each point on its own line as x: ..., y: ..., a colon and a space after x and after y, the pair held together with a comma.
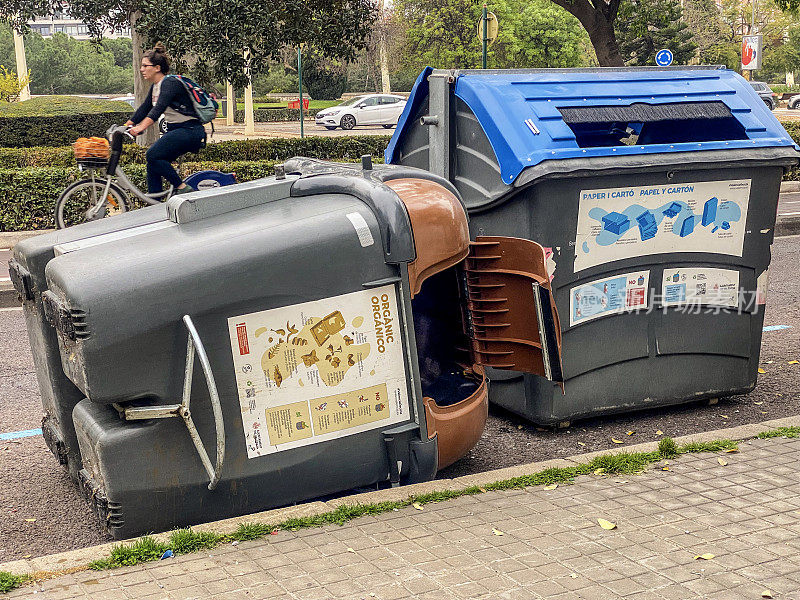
x: 204, y: 105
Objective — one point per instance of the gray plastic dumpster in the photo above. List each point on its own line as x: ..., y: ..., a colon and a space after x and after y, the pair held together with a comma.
x: 289, y: 338
x: 26, y: 267
x: 654, y: 192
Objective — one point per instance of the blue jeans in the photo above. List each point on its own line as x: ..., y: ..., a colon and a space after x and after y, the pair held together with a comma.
x: 170, y: 146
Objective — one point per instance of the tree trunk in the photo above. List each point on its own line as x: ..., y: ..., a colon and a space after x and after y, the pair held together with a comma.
x: 382, y: 52
x: 601, y: 34
x: 599, y: 24
x: 140, y: 86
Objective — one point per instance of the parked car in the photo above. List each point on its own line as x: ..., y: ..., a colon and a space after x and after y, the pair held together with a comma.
x: 769, y: 97
x: 794, y: 101
x: 372, y: 109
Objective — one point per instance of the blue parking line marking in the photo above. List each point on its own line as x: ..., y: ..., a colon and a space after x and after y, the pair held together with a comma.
x: 776, y: 327
x: 15, y: 435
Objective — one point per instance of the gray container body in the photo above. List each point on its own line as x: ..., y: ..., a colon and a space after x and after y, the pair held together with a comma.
x: 59, y: 395
x: 661, y: 355
x: 123, y: 344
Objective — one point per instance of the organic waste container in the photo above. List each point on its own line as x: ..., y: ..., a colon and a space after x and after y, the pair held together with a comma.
x: 288, y: 338
x: 654, y: 192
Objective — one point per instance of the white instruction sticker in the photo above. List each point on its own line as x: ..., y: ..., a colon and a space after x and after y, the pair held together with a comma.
x: 362, y: 229
x: 717, y: 287
x: 320, y: 370
x: 609, y: 296
x: 628, y: 222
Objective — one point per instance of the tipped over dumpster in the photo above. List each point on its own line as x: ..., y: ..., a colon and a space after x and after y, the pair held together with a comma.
x: 257, y: 345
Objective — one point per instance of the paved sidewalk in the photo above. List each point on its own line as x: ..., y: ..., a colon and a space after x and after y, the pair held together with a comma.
x: 532, y: 543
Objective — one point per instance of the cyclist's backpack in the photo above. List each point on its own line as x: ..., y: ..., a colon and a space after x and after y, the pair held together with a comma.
x: 204, y: 105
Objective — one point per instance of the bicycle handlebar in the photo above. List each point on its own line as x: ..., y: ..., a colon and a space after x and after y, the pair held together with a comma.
x: 115, y: 135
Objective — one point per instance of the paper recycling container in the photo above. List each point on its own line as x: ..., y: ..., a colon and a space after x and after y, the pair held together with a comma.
x: 654, y: 192
x: 26, y: 267
x: 288, y: 338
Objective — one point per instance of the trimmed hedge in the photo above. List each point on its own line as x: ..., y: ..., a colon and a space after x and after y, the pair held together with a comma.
x: 26, y: 132
x: 57, y: 120
x: 271, y: 115
x: 28, y: 196
x: 274, y: 149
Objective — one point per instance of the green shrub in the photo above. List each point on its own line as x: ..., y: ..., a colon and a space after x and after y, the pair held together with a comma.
x: 57, y: 106
x: 276, y: 149
x: 28, y: 195
x: 267, y: 115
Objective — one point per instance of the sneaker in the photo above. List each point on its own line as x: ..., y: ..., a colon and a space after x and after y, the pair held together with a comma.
x: 186, y: 190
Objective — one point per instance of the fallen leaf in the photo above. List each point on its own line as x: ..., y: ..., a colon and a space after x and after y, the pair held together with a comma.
x: 27, y: 556
x: 665, y: 468
x: 497, y: 531
x: 31, y: 520
x: 616, y: 441
x: 659, y: 432
x: 552, y: 486
x: 599, y: 471
x: 606, y: 524
x: 731, y: 450
x: 794, y: 362
x: 758, y: 403
x: 620, y: 481
x: 519, y: 426
x: 351, y: 550
x: 706, y: 556
x: 767, y: 594
x: 581, y: 444
x: 725, y: 416
x: 418, y: 506
x: 722, y: 462
x: 629, y: 432
x: 761, y: 371
x: 573, y: 575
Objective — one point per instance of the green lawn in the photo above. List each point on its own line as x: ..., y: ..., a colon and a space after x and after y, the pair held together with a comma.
x: 52, y: 106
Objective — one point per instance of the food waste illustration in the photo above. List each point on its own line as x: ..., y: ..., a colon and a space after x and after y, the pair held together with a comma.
x: 316, y: 371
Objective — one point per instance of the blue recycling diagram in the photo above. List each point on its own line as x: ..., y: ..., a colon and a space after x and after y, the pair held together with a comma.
x: 627, y: 222
x: 716, y: 215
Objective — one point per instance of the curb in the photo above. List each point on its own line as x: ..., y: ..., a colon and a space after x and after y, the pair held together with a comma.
x: 77, y: 560
x: 790, y: 187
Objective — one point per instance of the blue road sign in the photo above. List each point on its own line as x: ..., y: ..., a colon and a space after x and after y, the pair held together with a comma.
x: 664, y: 58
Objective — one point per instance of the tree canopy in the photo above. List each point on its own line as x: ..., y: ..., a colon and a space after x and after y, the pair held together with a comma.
x: 646, y: 26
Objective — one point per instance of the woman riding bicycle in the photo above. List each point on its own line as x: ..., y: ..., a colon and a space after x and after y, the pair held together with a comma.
x: 185, y: 132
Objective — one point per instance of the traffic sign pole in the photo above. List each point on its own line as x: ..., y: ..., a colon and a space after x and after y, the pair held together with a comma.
x: 485, y: 38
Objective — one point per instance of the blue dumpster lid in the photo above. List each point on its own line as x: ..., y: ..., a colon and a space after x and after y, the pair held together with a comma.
x: 523, y: 112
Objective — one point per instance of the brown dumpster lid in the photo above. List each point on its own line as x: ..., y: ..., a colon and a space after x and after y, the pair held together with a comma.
x: 511, y: 315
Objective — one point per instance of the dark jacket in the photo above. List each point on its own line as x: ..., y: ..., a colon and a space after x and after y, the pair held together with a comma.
x: 173, y: 94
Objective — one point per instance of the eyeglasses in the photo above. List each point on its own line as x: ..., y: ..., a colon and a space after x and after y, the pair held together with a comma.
x: 147, y: 65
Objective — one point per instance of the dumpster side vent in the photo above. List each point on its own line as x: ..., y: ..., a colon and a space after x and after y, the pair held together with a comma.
x: 647, y: 124
x: 21, y: 280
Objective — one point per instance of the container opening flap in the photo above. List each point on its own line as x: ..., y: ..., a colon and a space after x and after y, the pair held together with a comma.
x: 645, y: 124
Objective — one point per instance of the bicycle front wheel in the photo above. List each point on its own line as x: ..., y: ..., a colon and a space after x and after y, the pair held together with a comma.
x: 83, y: 201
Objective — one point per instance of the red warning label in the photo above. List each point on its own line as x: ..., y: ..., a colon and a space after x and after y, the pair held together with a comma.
x: 244, y: 345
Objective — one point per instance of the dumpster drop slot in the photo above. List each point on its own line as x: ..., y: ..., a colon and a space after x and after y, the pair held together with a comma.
x: 648, y: 124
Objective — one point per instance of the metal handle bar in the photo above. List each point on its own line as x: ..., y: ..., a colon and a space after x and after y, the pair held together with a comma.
x: 194, y: 345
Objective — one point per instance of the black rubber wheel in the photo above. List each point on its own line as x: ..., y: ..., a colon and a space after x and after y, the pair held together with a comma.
x: 330, y: 127
x: 162, y: 126
x: 75, y: 202
x: 347, y: 122
x: 388, y: 126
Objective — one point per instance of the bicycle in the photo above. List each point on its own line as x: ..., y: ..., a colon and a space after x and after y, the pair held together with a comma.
x: 99, y: 196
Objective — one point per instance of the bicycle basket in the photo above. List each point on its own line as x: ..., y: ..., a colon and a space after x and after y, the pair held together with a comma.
x: 92, y: 152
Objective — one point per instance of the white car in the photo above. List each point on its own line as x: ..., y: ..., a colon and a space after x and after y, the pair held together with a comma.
x: 373, y: 109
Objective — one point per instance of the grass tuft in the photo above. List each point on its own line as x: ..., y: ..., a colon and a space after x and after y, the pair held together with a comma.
x: 787, y: 432
x: 9, y: 581
x: 715, y: 446
x: 251, y: 531
x: 184, y: 541
x: 667, y: 448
